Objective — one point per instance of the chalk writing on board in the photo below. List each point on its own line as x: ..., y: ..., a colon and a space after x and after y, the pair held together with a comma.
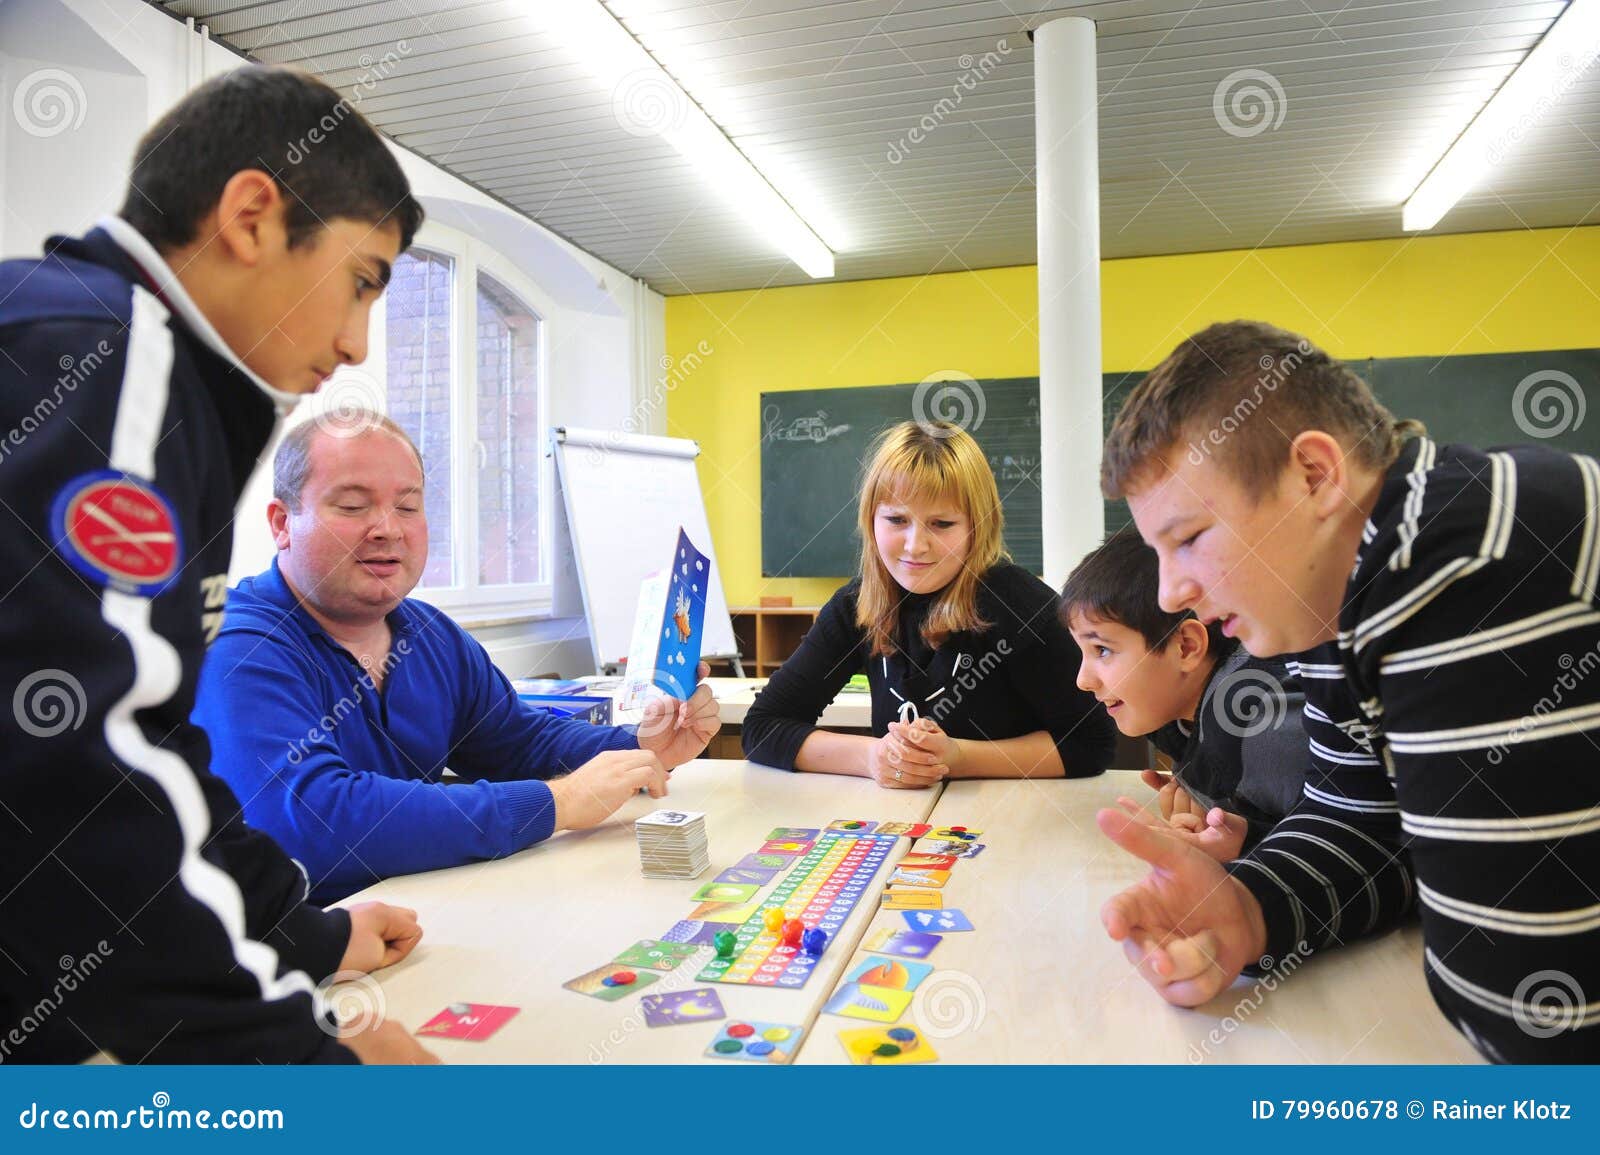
x: 814, y: 429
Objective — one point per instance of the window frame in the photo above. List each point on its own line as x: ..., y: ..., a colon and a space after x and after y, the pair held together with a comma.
x: 466, y: 601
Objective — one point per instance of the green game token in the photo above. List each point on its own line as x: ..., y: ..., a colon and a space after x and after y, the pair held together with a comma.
x: 886, y: 1050
x: 729, y: 1046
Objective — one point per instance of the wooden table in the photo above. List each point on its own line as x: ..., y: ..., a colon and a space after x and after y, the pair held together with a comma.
x: 510, y: 932
x: 1038, y: 981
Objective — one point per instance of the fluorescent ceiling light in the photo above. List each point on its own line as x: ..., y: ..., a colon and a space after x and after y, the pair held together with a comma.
x: 647, y: 101
x: 1545, y: 75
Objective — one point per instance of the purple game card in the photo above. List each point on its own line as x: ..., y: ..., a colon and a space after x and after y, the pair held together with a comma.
x: 692, y: 931
x: 747, y: 875
x: 699, y: 1005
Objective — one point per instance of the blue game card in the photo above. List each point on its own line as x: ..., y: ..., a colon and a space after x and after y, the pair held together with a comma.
x: 668, y: 631
x: 937, y: 921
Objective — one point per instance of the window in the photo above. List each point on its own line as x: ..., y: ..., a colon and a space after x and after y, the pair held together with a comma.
x: 464, y: 356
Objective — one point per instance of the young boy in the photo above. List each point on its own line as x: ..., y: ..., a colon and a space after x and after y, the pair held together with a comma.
x: 1229, y: 721
x: 143, y: 369
x: 1448, y: 592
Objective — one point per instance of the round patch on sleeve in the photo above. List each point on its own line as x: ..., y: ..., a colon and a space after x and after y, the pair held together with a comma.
x: 119, y: 531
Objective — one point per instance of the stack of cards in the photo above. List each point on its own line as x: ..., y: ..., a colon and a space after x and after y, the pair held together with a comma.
x: 672, y: 844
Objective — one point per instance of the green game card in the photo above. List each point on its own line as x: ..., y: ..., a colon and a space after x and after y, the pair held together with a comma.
x: 657, y: 955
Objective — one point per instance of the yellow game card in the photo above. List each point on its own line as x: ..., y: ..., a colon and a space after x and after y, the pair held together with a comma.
x: 890, y: 1046
x: 877, y: 1004
x: 908, y: 877
x: 910, y: 898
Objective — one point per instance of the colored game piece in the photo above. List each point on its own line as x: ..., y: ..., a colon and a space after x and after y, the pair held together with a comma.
x: 776, y: 1034
x: 792, y: 930
x: 759, y: 1048
x: 724, y: 942
x: 728, y: 1046
x: 904, y: 1037
x: 889, y: 1046
x: 814, y: 941
x: 607, y: 982
x: 741, y: 1030
x: 819, y: 892
x: 885, y: 1050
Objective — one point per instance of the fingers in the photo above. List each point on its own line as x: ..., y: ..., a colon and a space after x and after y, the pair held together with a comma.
x: 396, y: 948
x: 1153, y: 779
x: 1184, y: 820
x: 702, y: 671
x: 1142, y: 841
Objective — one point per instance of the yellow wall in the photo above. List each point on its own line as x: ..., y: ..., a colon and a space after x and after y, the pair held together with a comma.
x: 1428, y: 296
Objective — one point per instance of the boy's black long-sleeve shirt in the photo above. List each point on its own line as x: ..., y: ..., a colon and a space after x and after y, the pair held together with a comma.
x: 1018, y: 677
x: 127, y: 432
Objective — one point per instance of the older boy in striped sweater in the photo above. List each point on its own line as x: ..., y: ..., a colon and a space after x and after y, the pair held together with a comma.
x: 1445, y: 593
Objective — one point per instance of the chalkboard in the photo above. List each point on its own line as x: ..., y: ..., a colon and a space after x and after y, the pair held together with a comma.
x: 814, y: 449
x: 814, y: 442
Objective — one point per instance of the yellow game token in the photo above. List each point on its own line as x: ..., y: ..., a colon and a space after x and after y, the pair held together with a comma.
x: 864, y: 1046
x: 776, y: 1034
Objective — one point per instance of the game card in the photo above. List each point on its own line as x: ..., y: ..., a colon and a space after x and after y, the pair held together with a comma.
x: 910, y: 898
x: 852, y: 826
x: 785, y: 846
x: 792, y: 834
x: 765, y: 861
x: 888, y: 1046
x: 722, y: 912
x: 474, y: 1022
x: 973, y: 849
x: 905, y: 943
x: 876, y: 1004
x: 623, y: 981
x: 656, y: 954
x: 916, y: 860
x: 700, y: 1005
x: 725, y: 892
x: 952, y: 846
x: 904, y: 829
x: 957, y: 833
x: 941, y: 921
x: 747, y: 875
x: 692, y: 932
x: 919, y: 877
x: 748, y: 1041
x: 893, y: 973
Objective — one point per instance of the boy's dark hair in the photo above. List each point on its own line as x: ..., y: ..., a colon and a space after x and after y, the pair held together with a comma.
x: 1241, y: 391
x: 1120, y: 582
x: 328, y: 161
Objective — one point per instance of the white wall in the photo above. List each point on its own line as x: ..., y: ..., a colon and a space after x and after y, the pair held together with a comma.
x: 100, y: 71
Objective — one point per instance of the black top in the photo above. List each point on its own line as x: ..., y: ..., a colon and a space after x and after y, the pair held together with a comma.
x: 1245, y: 751
x: 1015, y: 678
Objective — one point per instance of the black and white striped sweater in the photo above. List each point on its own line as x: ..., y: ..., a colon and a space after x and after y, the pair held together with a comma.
x: 1455, y: 748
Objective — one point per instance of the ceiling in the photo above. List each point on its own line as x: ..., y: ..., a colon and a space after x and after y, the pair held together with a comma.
x: 1358, y: 99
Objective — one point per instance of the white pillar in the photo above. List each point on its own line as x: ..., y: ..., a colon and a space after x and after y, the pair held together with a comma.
x: 1067, y: 168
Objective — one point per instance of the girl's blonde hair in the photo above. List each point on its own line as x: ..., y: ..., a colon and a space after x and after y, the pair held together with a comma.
x: 927, y: 461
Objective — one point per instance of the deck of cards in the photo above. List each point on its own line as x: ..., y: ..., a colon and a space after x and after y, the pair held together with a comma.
x: 672, y: 844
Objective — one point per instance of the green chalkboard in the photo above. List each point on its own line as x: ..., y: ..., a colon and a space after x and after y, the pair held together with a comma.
x: 814, y: 441
x: 814, y: 447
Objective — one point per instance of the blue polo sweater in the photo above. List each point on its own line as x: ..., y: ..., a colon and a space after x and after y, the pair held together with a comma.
x: 348, y: 779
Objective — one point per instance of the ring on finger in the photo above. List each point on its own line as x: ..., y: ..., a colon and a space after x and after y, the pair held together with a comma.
x: 899, y: 775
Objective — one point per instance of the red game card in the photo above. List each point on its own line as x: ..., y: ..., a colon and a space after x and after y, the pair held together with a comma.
x: 472, y: 1021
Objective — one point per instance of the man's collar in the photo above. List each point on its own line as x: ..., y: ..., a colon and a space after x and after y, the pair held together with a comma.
x: 271, y: 586
x: 172, y: 293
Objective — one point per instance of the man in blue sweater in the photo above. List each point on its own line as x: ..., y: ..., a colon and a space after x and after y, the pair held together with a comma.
x: 335, y: 702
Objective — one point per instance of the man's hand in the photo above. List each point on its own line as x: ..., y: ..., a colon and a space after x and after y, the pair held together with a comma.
x: 389, y: 1044
x: 678, y: 731
x: 380, y: 935
x: 894, y: 763
x: 1219, y: 833
x: 1189, y: 928
x: 594, y: 791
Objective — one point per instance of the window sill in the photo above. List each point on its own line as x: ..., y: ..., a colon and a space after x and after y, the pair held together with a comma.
x: 476, y: 614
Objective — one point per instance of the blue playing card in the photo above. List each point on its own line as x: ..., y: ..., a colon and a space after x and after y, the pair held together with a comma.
x: 937, y: 921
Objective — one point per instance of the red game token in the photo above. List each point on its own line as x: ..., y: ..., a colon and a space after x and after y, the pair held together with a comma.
x: 623, y: 978
x: 959, y: 829
x: 741, y: 1031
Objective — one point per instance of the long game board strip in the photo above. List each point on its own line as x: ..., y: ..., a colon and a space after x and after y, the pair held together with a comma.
x: 821, y: 890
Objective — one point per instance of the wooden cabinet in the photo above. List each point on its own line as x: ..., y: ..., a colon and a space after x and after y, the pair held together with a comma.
x: 767, y: 635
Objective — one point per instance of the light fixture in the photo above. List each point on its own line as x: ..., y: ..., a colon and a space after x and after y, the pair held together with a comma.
x: 646, y: 101
x: 1546, y: 74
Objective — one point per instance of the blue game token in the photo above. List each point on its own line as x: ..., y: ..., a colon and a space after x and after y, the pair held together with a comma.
x: 901, y: 1034
x: 759, y: 1047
